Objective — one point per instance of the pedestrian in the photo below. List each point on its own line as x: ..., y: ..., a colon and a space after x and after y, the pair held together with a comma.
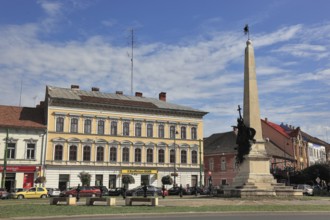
x: 78, y: 193
x: 180, y: 190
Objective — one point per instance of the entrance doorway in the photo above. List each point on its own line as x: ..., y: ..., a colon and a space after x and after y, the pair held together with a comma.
x: 112, y: 181
x: 194, y: 180
x: 10, y: 182
x: 64, y: 181
x: 145, y: 180
x: 99, y: 180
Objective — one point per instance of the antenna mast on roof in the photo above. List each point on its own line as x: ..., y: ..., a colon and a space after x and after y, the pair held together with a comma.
x: 132, y: 59
x: 20, y: 94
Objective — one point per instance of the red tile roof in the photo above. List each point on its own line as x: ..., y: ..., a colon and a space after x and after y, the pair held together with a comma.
x: 277, y: 127
x: 21, y: 117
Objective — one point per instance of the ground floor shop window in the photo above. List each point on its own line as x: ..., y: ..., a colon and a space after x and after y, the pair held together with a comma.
x: 112, y: 181
x: 145, y: 180
x: 63, y: 181
x: 98, y: 180
x: 194, y: 179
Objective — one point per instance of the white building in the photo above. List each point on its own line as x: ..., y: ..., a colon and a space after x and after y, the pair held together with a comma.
x: 23, y: 130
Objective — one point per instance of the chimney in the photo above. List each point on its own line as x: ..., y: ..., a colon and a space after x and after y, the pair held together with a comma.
x: 266, y: 120
x: 119, y: 92
x: 95, y: 89
x: 41, y: 105
x: 75, y: 87
x: 138, y: 94
x: 162, y: 96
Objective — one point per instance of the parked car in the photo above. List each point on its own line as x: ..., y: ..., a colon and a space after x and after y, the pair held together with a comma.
x: 307, y: 189
x: 139, y: 191
x: 3, y: 193
x: 32, y: 193
x: 192, y: 190
x: 85, y: 191
x: 116, y: 192
x: 52, y: 192
x: 104, y: 190
x: 176, y: 191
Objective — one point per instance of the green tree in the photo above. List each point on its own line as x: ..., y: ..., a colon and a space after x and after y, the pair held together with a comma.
x: 128, y: 179
x: 315, y: 171
x: 85, y: 178
x: 167, y: 180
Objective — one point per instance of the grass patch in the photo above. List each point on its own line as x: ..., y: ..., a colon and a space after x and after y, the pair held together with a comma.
x: 41, y: 207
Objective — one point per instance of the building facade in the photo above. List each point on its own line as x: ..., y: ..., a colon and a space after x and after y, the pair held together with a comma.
x: 22, y: 134
x: 112, y: 135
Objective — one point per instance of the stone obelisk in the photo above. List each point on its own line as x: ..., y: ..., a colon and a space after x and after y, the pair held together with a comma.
x: 253, y: 177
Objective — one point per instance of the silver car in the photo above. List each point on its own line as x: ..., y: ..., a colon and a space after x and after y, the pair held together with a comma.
x: 307, y: 189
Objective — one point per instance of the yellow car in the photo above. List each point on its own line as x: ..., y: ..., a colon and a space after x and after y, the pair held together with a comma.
x: 32, y: 193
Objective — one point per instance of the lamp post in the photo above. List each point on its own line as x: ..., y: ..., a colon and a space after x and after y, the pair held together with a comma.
x: 174, y: 173
x: 200, y: 163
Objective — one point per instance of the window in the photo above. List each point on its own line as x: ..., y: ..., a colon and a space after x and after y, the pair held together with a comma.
x: 113, y: 129
x: 113, y: 154
x: 183, y: 133
x: 87, y: 153
x: 150, y: 156
x: 58, y: 152
x: 211, y: 164
x: 100, y: 127
x: 161, y: 131
x: 100, y: 154
x: 138, y: 129
x: 194, y: 157
x: 161, y: 156
x: 30, y: 151
x: 59, y: 124
x: 11, y: 148
x: 88, y: 126
x: 126, y: 128
x: 193, y: 133
x: 223, y: 182
x: 172, y: 132
x: 223, y: 163
x: 126, y: 154
x: 73, y: 153
x: 183, y: 156
x: 74, y: 125
x: 172, y: 156
x: 150, y: 130
x: 138, y: 155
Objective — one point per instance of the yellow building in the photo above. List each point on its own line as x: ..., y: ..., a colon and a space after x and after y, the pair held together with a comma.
x: 111, y: 135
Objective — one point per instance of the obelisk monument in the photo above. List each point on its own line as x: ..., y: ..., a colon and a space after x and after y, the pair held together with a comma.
x: 254, y: 177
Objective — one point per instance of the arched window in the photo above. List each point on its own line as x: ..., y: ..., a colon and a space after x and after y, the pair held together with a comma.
x: 138, y: 130
x: 150, y: 132
x: 172, y: 156
x: 194, y: 157
x: 126, y: 154
x: 74, y: 125
x: 138, y: 155
x: 100, y: 127
x: 172, y: 132
x: 161, y: 131
x: 88, y: 126
x: 183, y: 132
x: 114, y: 127
x: 161, y: 156
x: 223, y: 163
x: 113, y: 154
x: 100, y: 154
x: 58, y: 152
x: 126, y: 128
x: 150, y: 156
x: 73, y: 153
x: 193, y: 133
x: 59, y: 124
x: 183, y: 156
x: 87, y: 153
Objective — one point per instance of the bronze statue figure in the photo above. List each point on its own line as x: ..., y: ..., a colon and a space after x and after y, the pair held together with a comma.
x: 244, y: 137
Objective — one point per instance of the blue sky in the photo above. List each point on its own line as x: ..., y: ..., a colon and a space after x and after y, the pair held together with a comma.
x: 191, y: 49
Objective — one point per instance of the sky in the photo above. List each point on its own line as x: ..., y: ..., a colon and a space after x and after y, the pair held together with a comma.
x: 191, y: 49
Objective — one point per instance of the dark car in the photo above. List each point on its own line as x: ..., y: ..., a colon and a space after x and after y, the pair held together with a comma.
x: 85, y: 191
x: 3, y: 193
x: 116, y: 192
x: 192, y: 190
x: 139, y: 191
x: 176, y: 191
x: 103, y: 189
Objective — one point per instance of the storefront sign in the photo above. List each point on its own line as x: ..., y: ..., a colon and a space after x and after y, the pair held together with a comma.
x: 136, y: 171
x: 14, y: 169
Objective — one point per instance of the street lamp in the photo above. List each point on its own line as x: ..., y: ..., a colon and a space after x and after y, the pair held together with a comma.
x: 174, y: 173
